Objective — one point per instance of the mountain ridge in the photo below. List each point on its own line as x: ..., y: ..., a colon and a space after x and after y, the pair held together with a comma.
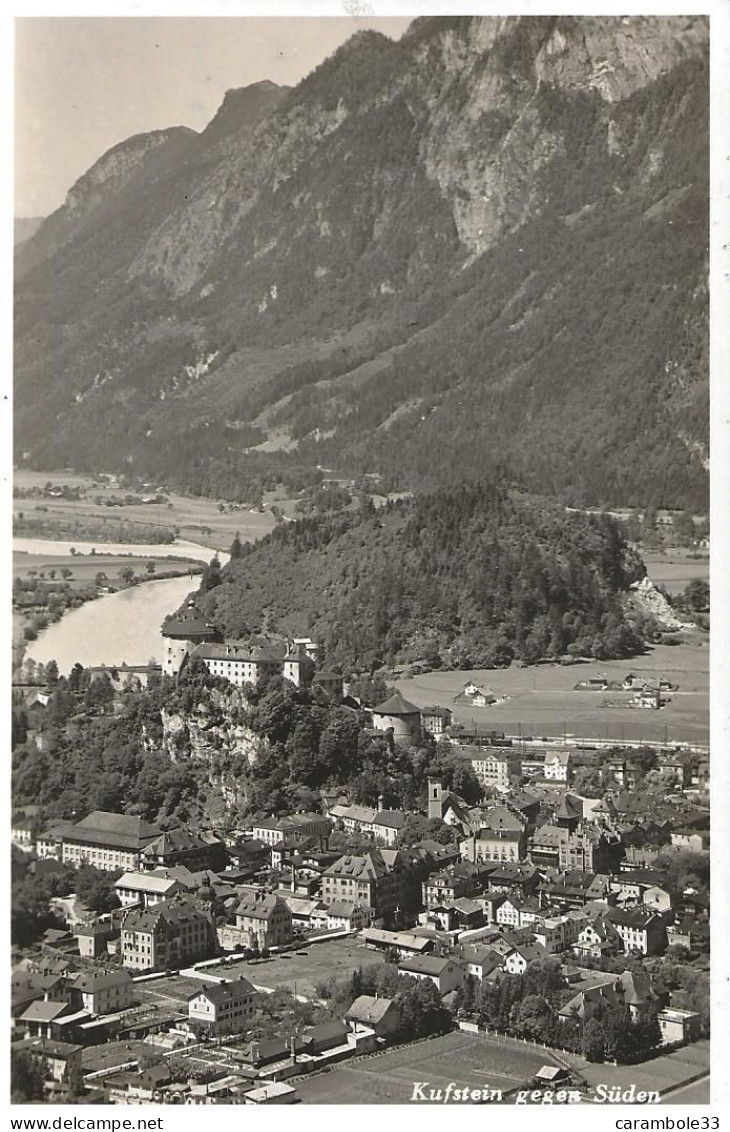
x: 479, y: 177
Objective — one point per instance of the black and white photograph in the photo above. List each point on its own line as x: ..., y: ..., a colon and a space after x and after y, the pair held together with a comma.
x: 360, y: 683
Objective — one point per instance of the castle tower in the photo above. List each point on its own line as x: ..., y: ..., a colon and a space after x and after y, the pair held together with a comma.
x: 181, y: 633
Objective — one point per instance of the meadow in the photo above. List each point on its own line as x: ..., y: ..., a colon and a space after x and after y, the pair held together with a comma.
x: 209, y: 522
x: 541, y: 701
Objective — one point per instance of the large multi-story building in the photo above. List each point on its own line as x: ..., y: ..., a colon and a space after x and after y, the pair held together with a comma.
x: 107, y: 841
x: 496, y: 769
x: 188, y: 635
x: 495, y: 845
x: 460, y: 880
x: 166, y: 936
x: 589, y: 847
x: 640, y: 929
x: 365, y: 880
x: 263, y: 920
x: 195, y: 849
x: 243, y: 662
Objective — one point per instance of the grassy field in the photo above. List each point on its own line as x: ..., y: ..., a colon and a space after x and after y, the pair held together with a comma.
x: 198, y: 519
x: 305, y: 967
x: 467, y: 1060
x: 659, y: 1073
x: 85, y: 567
x: 675, y: 569
x: 540, y: 700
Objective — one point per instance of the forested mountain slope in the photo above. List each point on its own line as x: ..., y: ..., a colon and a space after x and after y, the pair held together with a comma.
x: 483, y: 245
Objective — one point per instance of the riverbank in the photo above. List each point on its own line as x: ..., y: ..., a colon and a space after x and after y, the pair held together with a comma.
x: 54, y: 582
x: 114, y: 629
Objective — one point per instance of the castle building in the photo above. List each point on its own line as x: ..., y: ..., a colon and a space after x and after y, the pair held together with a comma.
x: 182, y: 633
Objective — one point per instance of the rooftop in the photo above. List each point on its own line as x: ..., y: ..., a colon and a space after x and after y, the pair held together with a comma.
x: 396, y: 705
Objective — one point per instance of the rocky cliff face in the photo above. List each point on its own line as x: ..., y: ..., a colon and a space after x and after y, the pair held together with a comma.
x: 444, y: 210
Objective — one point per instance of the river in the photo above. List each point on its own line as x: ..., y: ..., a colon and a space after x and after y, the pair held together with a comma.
x: 116, y: 628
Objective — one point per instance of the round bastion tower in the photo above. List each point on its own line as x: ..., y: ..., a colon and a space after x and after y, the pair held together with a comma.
x: 181, y: 633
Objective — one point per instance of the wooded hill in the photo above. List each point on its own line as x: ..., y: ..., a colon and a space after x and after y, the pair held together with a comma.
x: 471, y: 576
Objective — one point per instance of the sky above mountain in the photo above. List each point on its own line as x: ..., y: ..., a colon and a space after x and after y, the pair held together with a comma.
x: 82, y: 85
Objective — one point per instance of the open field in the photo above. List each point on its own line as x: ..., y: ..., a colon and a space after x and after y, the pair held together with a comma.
x: 541, y: 701
x: 675, y: 569
x: 660, y: 1073
x: 307, y: 967
x: 171, y: 993
x: 467, y: 1060
x: 197, y: 519
x: 85, y: 567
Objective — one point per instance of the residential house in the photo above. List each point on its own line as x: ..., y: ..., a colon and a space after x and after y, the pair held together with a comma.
x: 102, y: 992
x: 480, y: 960
x: 444, y: 972
x: 49, y: 844
x: 146, y: 889
x: 23, y: 834
x: 326, y: 1036
x: 223, y: 1007
x: 345, y: 915
x: 597, y: 939
x: 93, y: 937
x: 387, y: 826
x: 475, y: 696
x: 499, y: 845
x: 441, y: 889
x: 61, y: 1062
x: 330, y: 682
x: 697, y: 841
x: 590, y: 847
x: 679, y: 1025
x: 378, y: 1014
x: 558, y: 766
x: 522, y: 955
